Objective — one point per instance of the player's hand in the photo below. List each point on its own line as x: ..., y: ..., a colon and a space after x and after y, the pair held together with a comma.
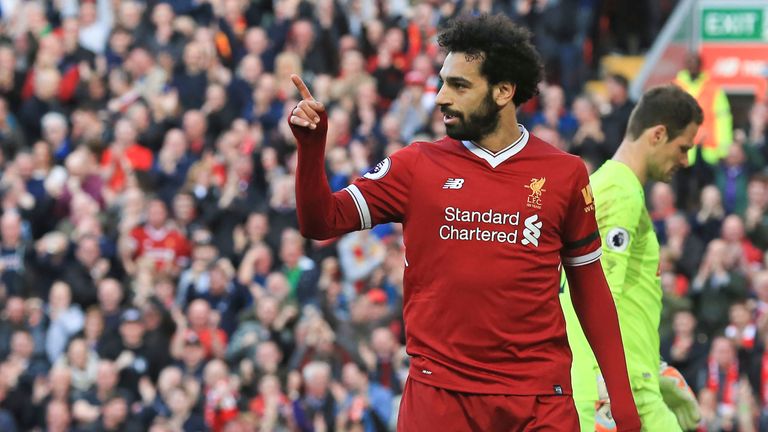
x: 679, y: 397
x: 307, y: 112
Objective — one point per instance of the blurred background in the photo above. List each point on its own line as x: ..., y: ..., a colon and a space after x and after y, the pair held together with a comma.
x: 152, y: 276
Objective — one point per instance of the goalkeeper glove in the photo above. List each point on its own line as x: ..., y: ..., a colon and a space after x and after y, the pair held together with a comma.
x: 603, y: 418
x: 679, y: 397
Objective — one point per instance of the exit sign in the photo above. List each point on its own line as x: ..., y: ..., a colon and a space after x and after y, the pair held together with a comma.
x: 743, y: 24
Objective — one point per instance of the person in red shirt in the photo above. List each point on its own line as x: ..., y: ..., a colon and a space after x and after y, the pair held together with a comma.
x: 203, y: 322
x: 124, y: 156
x: 157, y: 240
x: 490, y: 214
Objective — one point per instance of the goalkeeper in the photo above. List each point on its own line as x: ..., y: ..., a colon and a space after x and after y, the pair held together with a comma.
x: 660, y: 132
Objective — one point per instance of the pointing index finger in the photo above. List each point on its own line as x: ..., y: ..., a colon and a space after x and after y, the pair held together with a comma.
x: 303, y: 90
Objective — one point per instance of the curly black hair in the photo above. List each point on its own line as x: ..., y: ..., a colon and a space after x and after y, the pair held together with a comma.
x: 505, y: 47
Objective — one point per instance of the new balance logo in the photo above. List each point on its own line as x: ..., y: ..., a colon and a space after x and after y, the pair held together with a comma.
x: 453, y: 183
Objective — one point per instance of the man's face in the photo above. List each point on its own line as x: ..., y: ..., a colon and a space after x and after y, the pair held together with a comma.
x: 106, y: 376
x: 88, y: 251
x: 132, y: 333
x: 193, y: 354
x: 115, y: 411
x: 22, y: 345
x: 693, y: 64
x: 157, y: 215
x: 466, y: 99
x: 670, y: 156
x: 55, y: 133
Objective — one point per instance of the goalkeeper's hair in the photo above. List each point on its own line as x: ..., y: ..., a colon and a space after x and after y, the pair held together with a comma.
x: 667, y: 105
x: 504, y: 47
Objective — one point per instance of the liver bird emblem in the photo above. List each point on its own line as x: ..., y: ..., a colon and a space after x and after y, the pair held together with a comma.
x: 537, y: 186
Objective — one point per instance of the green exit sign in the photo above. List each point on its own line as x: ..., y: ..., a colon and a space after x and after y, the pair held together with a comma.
x: 743, y: 24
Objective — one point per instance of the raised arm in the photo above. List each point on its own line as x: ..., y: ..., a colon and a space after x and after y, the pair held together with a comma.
x: 322, y: 214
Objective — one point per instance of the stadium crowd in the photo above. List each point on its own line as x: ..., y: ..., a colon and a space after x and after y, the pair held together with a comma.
x: 152, y: 276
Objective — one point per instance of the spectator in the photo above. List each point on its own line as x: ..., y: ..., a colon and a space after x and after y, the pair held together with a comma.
x: 315, y: 44
x: 709, y: 217
x: 66, y: 320
x: 10, y: 131
x: 255, y: 265
x: 56, y: 387
x: 742, y: 332
x: 194, y: 281
x: 83, y: 178
x: 133, y: 357
x: 268, y: 324
x: 158, y: 242
x: 11, y: 78
x: 204, y: 323
x: 115, y: 416
x: 662, y: 206
x: 85, y: 270
x: 302, y: 273
x: 718, y: 283
x: 685, y: 249
x: 220, y: 396
x: 83, y: 365
x: 55, y: 131
x: 615, y: 122
x: 383, y: 360
x: 755, y: 216
x: 58, y: 417
x: 317, y: 407
x: 367, y: 404
x: 110, y: 295
x: 124, y: 157
x: 352, y: 75
x: 733, y: 234
x: 87, y: 409
x: 217, y: 108
x: 43, y: 100
x: 589, y: 141
x: 224, y: 294
x: 731, y: 178
x: 193, y: 357
x: 95, y: 22
x: 554, y: 113
x: 271, y: 406
x: 686, y: 348
x: 192, y: 76
x: 721, y: 377
x: 12, y: 255
x: 409, y: 108
x: 172, y: 164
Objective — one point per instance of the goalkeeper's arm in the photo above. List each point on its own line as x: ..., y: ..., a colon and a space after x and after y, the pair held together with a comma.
x: 679, y: 397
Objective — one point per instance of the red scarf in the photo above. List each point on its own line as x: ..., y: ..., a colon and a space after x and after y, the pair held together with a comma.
x: 745, y: 336
x: 731, y: 381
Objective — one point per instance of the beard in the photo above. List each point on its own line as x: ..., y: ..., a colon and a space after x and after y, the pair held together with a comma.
x: 480, y: 123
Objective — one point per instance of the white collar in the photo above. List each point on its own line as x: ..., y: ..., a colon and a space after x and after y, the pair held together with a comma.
x: 495, y: 159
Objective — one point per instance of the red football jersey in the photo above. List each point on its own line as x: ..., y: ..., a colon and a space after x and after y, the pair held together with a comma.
x: 485, y: 235
x: 166, y: 246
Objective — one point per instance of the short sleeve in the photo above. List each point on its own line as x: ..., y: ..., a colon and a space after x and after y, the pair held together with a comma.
x: 580, y: 236
x: 381, y: 194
